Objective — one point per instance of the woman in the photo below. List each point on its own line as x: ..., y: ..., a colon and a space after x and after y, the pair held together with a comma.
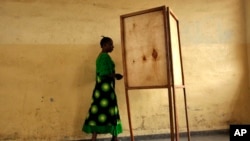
x: 103, y: 116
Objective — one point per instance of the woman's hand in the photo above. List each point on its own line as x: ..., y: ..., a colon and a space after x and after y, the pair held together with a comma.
x: 118, y: 76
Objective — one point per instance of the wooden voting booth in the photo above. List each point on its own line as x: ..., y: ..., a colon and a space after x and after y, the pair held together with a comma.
x: 152, y: 58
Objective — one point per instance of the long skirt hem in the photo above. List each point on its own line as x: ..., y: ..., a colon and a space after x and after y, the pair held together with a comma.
x: 114, y: 130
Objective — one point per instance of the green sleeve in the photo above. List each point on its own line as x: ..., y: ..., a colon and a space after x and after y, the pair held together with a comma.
x: 104, y: 65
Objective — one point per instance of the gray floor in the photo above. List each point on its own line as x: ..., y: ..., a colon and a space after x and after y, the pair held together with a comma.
x: 195, y: 138
x: 221, y: 135
x: 207, y: 136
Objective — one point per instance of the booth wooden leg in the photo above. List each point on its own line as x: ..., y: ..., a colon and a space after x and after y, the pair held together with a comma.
x: 129, y: 117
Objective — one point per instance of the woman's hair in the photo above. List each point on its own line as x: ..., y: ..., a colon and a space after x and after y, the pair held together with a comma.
x: 105, y: 40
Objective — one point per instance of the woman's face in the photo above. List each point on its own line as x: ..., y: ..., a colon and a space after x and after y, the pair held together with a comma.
x: 109, y: 46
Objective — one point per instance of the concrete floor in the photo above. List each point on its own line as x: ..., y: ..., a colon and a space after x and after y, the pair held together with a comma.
x: 199, y: 136
x: 195, y: 138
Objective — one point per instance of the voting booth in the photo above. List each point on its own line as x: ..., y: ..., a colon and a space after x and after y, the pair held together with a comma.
x: 152, y: 59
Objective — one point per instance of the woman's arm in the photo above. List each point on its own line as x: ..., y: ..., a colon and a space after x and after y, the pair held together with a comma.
x: 117, y: 76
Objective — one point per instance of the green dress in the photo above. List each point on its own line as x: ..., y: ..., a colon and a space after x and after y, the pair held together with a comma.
x: 103, y: 116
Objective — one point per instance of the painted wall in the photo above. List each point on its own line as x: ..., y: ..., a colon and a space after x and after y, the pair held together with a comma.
x: 247, y: 11
x: 48, y: 50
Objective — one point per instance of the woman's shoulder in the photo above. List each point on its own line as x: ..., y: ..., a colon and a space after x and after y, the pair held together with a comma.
x: 103, y: 56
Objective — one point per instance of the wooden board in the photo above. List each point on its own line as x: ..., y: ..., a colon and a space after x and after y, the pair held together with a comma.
x: 175, y: 50
x: 145, y: 49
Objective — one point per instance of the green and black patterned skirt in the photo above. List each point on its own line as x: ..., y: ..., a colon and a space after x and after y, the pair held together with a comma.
x: 103, y: 116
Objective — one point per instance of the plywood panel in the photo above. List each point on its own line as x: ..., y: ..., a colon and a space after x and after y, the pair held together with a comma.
x: 145, y: 49
x: 175, y: 49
